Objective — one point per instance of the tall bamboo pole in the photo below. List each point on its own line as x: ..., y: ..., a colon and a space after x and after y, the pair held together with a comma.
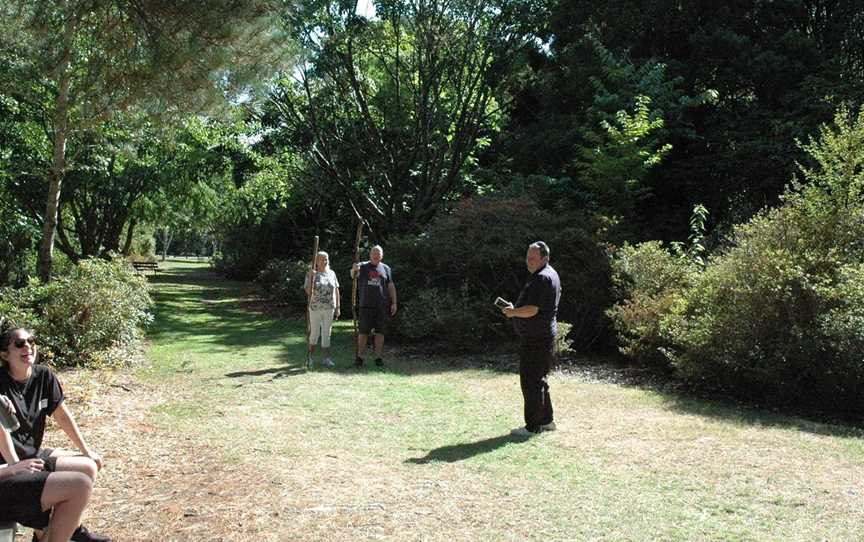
x: 354, y: 284
x: 309, y: 304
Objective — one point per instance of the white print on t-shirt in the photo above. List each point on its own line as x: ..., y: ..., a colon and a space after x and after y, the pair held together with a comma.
x: 43, y: 404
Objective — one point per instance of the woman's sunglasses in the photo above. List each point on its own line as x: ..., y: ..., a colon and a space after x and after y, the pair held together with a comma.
x: 19, y: 343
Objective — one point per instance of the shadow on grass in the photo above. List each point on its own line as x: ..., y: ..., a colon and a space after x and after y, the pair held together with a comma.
x: 277, y: 372
x: 751, y: 415
x: 458, y: 452
x: 680, y: 398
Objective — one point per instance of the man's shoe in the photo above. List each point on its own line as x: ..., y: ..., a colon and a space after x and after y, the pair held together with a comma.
x: 358, y: 362
x: 522, y: 432
x: 548, y: 427
x: 328, y: 363
x: 379, y: 362
x: 81, y: 534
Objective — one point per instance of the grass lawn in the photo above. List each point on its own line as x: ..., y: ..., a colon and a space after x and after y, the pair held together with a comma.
x: 421, y: 450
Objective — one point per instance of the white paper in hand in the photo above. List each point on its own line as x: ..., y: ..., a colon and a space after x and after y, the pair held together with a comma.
x: 503, y: 303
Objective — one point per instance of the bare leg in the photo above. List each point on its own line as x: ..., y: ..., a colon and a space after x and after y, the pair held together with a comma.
x: 379, y: 345
x: 74, y: 462
x: 67, y: 493
x: 361, y: 344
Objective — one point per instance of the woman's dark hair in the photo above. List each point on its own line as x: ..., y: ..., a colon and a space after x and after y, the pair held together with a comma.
x: 6, y: 340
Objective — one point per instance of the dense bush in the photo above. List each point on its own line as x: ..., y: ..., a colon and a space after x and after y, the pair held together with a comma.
x: 778, y: 315
x: 283, y: 281
x: 443, y: 318
x: 761, y: 318
x: 92, y: 315
x: 646, y: 280
x: 455, y: 270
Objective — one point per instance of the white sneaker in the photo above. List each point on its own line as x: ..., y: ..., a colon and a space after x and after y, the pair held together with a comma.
x: 328, y: 363
x: 522, y: 432
x: 548, y: 427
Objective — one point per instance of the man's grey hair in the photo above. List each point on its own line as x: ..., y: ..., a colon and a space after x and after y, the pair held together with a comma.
x: 376, y: 247
x: 541, y: 247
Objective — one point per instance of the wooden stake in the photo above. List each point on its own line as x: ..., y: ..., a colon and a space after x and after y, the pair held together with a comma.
x: 309, y: 304
x: 354, y: 283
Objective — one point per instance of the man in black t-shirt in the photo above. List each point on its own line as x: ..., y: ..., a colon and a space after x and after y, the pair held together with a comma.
x: 377, y: 302
x: 534, y: 319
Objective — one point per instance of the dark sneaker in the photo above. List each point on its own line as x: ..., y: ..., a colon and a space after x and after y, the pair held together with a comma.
x: 81, y: 534
x: 379, y: 362
x: 358, y: 362
x: 522, y: 432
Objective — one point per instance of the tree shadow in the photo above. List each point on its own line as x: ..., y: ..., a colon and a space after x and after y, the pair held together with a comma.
x: 713, y: 404
x: 466, y: 450
x: 276, y: 372
x: 743, y: 414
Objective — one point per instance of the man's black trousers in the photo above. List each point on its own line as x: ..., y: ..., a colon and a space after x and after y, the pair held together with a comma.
x: 535, y: 361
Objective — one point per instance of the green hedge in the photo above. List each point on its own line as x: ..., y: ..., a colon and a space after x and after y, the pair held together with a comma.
x: 93, y: 314
x: 778, y: 314
x: 449, y: 276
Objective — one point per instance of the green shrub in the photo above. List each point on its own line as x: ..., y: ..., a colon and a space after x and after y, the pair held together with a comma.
x: 283, y: 281
x: 93, y: 315
x: 646, y: 279
x: 443, y: 317
x: 563, y: 344
x: 777, y: 315
x: 478, y: 252
x: 759, y: 319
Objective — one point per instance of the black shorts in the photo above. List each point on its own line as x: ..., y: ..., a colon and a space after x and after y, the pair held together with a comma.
x: 373, y: 318
x: 50, y: 462
x: 21, y: 499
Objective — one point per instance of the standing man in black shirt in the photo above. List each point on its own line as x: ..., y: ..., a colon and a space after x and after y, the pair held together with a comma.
x: 377, y: 293
x: 533, y: 318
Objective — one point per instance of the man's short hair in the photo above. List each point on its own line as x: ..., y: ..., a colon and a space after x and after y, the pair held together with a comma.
x: 541, y: 247
x: 376, y: 247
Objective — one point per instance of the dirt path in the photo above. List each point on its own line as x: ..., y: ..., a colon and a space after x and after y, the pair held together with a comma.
x: 156, y: 486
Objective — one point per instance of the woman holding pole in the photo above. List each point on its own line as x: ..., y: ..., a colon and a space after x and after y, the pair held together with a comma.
x: 322, y: 287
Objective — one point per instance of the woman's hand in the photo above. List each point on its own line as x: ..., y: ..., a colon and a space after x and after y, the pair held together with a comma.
x: 336, y: 313
x: 27, y: 465
x: 96, y: 458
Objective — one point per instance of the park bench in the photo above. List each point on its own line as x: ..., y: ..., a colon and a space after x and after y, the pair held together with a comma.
x: 141, y: 267
x: 7, y: 528
x: 7, y: 531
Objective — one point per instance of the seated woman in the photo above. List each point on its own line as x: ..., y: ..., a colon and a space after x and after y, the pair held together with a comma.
x: 36, y: 394
x: 29, y: 494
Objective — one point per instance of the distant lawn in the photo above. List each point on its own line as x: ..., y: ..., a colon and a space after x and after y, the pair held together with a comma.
x: 421, y: 451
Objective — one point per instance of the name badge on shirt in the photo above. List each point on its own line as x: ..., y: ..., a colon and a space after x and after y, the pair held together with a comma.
x: 43, y: 404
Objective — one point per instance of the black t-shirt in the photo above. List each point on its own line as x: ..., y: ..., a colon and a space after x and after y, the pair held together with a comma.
x: 34, y: 400
x: 542, y: 289
x: 372, y: 284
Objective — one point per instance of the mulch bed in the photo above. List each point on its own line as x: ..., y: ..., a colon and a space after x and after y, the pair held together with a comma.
x: 157, y: 485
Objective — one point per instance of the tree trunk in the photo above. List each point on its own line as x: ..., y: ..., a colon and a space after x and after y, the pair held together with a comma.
x: 167, y: 237
x: 58, y: 160
x: 130, y: 232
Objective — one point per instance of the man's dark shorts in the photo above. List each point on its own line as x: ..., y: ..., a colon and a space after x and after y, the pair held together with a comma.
x: 373, y: 318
